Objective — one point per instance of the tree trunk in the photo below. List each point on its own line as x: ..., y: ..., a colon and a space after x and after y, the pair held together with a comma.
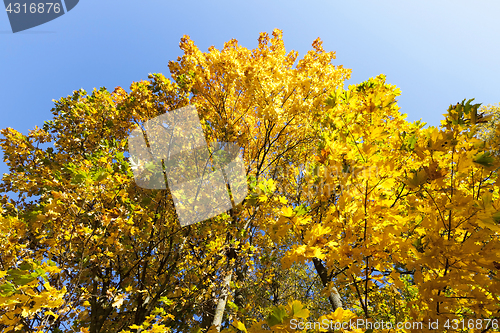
x: 239, y: 299
x: 334, y: 296
x: 208, y: 315
x: 221, y: 303
x: 231, y: 255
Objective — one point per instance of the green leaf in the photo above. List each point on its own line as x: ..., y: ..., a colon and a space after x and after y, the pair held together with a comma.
x: 79, y: 177
x: 232, y: 306
x: 38, y: 272
x: 25, y: 266
x: 18, y: 277
x: 485, y: 159
x: 101, y: 175
x: 24, y: 279
x: 301, y: 210
x: 411, y: 141
x: 277, y: 316
x: 252, y: 199
x: 165, y: 300
x: 496, y: 217
x: 7, y: 289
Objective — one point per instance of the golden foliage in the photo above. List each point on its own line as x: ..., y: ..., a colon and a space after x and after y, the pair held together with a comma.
x: 403, y: 219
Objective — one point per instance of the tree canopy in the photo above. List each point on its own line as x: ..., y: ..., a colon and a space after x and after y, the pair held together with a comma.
x: 353, y: 212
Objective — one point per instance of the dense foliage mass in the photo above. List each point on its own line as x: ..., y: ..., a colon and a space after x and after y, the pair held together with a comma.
x: 352, y: 213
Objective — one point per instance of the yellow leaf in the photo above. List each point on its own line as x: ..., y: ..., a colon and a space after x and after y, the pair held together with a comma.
x: 287, y: 211
x: 240, y: 326
x: 283, y: 200
x: 298, y: 309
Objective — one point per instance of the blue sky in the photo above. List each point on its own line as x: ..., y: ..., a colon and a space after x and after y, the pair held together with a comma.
x: 437, y: 52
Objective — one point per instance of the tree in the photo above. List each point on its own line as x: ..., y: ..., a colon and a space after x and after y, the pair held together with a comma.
x: 352, y: 211
x: 415, y: 216
x: 124, y: 260
x: 489, y: 119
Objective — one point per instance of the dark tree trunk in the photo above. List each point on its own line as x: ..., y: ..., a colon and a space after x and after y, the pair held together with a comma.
x: 334, y: 296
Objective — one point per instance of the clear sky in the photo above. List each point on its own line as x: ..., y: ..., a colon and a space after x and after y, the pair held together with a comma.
x: 437, y: 52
